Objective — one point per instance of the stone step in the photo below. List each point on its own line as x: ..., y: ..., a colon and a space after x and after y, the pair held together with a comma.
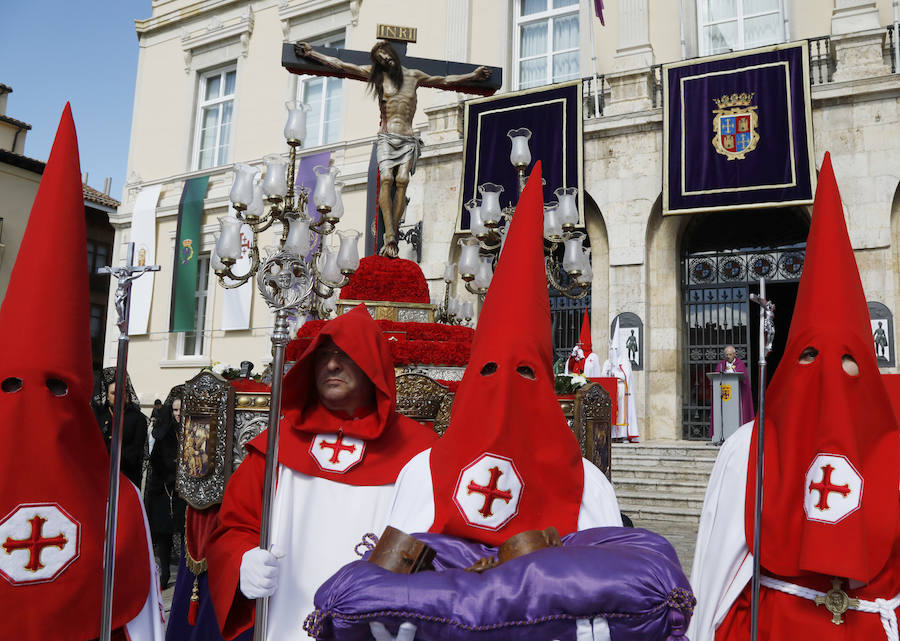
x: 666, y: 449
x: 663, y: 463
x: 662, y: 500
x: 662, y: 476
x: 672, y: 514
x: 651, y: 487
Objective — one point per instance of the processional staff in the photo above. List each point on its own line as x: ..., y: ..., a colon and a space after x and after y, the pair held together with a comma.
x: 125, y: 275
x: 766, y: 336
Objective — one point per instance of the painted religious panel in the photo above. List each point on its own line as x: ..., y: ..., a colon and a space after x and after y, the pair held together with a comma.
x: 205, y: 457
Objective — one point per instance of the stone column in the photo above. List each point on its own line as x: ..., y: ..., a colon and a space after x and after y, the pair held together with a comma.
x: 857, y: 41
x: 631, y: 83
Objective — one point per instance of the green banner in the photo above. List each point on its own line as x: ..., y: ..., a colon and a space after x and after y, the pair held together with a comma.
x: 187, y: 249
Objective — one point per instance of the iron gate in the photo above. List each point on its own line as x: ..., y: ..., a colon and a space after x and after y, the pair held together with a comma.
x: 716, y: 289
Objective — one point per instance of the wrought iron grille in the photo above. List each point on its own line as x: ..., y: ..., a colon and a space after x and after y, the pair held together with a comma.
x: 565, y: 317
x: 716, y: 289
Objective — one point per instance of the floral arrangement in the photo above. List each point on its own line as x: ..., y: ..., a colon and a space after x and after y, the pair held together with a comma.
x: 392, y: 279
x: 568, y: 383
x: 424, y: 343
x: 228, y: 371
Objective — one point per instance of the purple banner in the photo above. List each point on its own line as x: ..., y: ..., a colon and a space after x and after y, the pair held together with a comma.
x: 737, y: 132
x: 552, y: 114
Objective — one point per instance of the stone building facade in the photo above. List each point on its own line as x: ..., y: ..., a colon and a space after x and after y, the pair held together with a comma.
x: 640, y: 257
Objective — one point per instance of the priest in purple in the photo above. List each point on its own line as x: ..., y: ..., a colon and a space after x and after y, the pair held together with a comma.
x: 731, y: 363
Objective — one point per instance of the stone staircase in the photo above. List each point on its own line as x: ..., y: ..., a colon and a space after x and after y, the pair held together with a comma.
x: 660, y: 486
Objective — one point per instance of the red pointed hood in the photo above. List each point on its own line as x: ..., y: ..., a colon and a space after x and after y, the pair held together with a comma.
x: 508, y: 461
x: 585, y: 337
x: 54, y: 472
x: 832, y: 452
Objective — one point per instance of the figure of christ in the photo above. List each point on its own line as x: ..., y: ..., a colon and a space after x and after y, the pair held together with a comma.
x: 398, y: 148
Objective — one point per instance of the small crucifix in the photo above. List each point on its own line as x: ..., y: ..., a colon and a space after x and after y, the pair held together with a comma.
x: 394, y: 79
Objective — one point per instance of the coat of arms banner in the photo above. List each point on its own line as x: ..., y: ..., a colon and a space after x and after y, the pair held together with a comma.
x: 737, y: 131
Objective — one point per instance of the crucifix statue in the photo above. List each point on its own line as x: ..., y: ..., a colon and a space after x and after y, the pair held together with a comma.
x: 394, y: 85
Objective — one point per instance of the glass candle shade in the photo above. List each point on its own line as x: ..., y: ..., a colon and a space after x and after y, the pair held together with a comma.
x: 568, y: 207
x: 242, y: 188
x: 295, y: 127
x: 520, y: 154
x: 215, y: 262
x: 348, y: 252
x: 274, y: 185
x: 485, y: 273
x: 468, y: 310
x: 490, y: 204
x: 587, y: 274
x: 468, y: 258
x: 331, y: 273
x: 573, y: 254
x: 228, y: 245
x: 298, y: 236
x: 552, y: 226
x: 256, y: 208
x: 337, y: 209
x: 449, y: 272
x: 324, y: 194
x: 476, y: 226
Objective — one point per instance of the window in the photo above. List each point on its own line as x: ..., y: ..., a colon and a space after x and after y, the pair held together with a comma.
x: 323, y: 122
x: 547, y: 42
x: 191, y: 343
x: 215, y: 107
x: 97, y: 314
x: 97, y: 256
x: 731, y: 25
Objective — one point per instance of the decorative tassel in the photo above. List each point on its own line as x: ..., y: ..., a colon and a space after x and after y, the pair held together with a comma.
x: 195, y: 603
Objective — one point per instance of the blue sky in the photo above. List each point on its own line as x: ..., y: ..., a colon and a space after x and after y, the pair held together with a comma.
x: 81, y: 51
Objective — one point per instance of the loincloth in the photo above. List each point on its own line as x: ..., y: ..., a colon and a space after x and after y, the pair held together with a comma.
x: 397, y: 149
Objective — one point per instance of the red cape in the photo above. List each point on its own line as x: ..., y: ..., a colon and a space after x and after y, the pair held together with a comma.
x: 390, y: 441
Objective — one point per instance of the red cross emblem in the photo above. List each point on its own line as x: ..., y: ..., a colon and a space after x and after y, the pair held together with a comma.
x: 493, y: 504
x: 833, y: 488
x: 336, y: 448
x: 37, y: 542
x: 826, y: 486
x: 491, y: 492
x: 337, y: 452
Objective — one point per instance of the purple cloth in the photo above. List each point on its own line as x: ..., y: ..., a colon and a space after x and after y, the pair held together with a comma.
x: 206, y: 627
x: 630, y: 576
x: 747, y: 411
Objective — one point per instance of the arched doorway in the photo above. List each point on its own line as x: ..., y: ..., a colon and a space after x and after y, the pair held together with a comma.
x: 723, y: 256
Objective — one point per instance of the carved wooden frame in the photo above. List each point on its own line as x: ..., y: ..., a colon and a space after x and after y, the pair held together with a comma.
x: 423, y: 399
x: 208, y: 401
x: 592, y: 426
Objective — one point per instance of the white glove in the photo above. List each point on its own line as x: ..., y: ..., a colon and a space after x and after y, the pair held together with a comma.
x: 407, y: 632
x: 259, y: 572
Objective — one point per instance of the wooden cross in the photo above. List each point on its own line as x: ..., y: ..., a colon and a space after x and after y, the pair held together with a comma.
x: 390, y: 199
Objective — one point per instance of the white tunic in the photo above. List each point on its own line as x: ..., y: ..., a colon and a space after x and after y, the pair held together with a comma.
x: 317, y: 523
x: 412, y: 506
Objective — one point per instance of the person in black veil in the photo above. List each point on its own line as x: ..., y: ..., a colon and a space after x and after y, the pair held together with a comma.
x: 165, y: 508
x: 134, y: 427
